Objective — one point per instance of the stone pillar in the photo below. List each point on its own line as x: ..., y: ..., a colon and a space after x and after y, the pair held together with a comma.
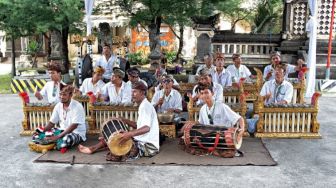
x: 204, y: 37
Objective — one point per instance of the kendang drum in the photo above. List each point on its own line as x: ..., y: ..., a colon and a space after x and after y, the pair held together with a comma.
x: 111, y: 133
x: 209, y: 139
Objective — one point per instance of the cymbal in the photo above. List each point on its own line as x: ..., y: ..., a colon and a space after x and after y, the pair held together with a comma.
x: 116, y: 148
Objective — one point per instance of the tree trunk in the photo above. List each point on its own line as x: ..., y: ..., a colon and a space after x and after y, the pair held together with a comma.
x: 179, y: 51
x: 65, y: 49
x: 13, y: 57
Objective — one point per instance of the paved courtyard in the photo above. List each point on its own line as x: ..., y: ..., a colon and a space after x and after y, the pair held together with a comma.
x: 301, y: 163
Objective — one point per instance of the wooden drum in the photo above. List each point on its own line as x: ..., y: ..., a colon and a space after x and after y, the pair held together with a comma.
x: 111, y: 133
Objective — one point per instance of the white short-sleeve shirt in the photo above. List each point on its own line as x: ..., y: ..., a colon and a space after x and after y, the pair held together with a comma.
x: 218, y: 94
x: 284, y: 91
x: 148, y: 117
x: 107, y: 65
x: 124, y: 96
x: 237, y: 74
x: 50, y: 93
x: 74, y: 115
x: 290, y: 69
x: 88, y: 86
x: 220, y: 113
x: 173, y: 100
x: 223, y: 78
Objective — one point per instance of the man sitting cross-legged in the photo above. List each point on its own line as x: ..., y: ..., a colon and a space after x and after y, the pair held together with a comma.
x: 277, y: 90
x: 69, y: 114
x: 145, y: 133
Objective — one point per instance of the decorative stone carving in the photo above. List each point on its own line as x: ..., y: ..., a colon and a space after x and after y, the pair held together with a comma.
x: 299, y: 18
x: 324, y: 16
x: 56, y: 45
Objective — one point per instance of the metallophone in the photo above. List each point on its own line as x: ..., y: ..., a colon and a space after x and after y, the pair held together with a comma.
x: 288, y: 120
x: 38, y: 114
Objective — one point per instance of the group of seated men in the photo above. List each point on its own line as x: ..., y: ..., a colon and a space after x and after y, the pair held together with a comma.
x: 69, y: 114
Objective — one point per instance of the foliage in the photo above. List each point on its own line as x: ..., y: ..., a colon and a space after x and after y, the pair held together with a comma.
x: 170, y: 56
x: 5, y: 83
x: 268, y: 16
x: 235, y: 11
x: 173, y: 12
x: 134, y: 58
x: 33, y: 47
x: 31, y: 17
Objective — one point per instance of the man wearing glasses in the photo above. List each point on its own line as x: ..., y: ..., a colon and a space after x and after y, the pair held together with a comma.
x: 278, y: 90
x: 51, y: 89
x: 167, y: 99
x: 269, y: 71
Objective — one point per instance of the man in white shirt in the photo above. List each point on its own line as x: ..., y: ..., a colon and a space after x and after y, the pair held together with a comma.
x: 207, y: 59
x: 134, y: 76
x: 70, y: 116
x: 217, y: 113
x: 205, y: 79
x: 220, y: 75
x: 145, y: 133
x: 269, y: 71
x: 278, y: 90
x: 107, y: 61
x: 94, y: 84
x: 117, y: 91
x: 237, y: 70
x: 51, y: 89
x: 176, y: 85
x: 167, y: 99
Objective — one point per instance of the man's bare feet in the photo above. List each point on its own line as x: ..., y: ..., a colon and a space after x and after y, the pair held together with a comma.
x: 84, y: 149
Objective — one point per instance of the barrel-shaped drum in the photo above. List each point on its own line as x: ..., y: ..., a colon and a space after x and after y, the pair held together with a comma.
x: 211, y: 137
x: 111, y: 132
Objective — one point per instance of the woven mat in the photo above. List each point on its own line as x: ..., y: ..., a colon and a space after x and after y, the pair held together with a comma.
x: 255, y: 153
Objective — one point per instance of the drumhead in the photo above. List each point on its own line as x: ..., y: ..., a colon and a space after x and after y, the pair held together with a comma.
x: 237, y: 143
x: 116, y: 148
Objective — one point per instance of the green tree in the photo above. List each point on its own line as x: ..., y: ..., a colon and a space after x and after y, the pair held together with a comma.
x: 30, y: 17
x: 152, y: 13
x: 268, y: 16
x: 235, y: 11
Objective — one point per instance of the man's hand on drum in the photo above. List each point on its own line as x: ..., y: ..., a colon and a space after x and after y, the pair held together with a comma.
x: 52, y: 138
x: 125, y: 136
x: 187, y: 123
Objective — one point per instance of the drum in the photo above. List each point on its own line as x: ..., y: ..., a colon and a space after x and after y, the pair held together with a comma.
x: 210, y: 138
x: 111, y: 133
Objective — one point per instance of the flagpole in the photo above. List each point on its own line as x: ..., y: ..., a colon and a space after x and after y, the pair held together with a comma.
x: 330, y: 39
